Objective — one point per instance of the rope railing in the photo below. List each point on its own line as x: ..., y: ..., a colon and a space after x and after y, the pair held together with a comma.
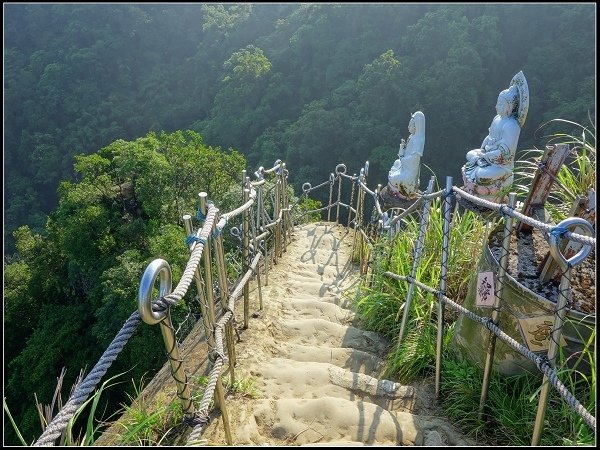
x: 381, y: 221
x: 197, y: 243
x: 202, y: 415
x: 258, y: 225
x: 539, y: 361
x: 85, y: 388
x: 505, y: 209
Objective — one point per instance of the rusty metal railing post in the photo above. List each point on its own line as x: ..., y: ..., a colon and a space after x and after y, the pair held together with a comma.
x: 561, y: 306
x: 499, y: 297
x: 159, y: 267
x: 224, y: 294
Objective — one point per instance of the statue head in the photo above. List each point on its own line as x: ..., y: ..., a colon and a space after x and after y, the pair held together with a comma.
x: 508, y: 102
x: 417, y: 123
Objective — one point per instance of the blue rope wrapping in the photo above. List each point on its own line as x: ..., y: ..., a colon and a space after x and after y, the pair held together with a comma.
x: 558, y: 231
x: 191, y: 239
x: 200, y: 216
x: 215, y: 234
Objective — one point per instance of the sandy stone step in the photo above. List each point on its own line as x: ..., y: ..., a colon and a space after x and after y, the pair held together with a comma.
x: 310, y: 287
x: 330, y: 419
x: 321, y: 273
x: 346, y: 358
x: 324, y: 333
x: 285, y: 378
x: 314, y: 309
x: 276, y: 294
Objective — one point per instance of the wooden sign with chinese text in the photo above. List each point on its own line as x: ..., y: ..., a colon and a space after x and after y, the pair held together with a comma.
x: 536, y: 332
x: 485, y: 290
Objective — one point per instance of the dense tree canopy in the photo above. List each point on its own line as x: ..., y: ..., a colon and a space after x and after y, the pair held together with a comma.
x: 77, y: 77
x: 68, y: 293
x: 97, y: 174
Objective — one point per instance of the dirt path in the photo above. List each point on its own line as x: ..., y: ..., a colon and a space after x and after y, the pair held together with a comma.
x: 316, y: 373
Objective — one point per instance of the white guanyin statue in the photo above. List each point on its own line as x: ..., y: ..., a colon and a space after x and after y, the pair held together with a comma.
x: 403, y: 177
x: 488, y: 172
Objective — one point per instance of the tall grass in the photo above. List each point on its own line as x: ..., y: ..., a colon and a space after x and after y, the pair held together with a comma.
x: 93, y: 425
x: 148, y: 422
x: 377, y: 304
x: 512, y: 403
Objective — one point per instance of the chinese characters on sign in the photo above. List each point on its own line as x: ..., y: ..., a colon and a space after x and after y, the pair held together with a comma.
x: 537, y: 332
x: 485, y: 289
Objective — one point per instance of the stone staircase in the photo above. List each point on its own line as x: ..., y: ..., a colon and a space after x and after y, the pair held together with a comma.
x: 316, y: 373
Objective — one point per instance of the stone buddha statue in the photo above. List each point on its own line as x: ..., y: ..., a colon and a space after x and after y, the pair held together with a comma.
x: 488, y: 172
x: 403, y: 177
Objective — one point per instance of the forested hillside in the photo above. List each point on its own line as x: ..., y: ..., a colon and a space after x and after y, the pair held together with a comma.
x: 312, y: 84
x: 293, y: 81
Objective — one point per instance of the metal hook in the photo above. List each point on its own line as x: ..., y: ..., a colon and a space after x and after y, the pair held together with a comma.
x: 366, y: 168
x: 154, y: 269
x: 237, y: 232
x: 260, y: 173
x: 331, y: 178
x: 553, y: 240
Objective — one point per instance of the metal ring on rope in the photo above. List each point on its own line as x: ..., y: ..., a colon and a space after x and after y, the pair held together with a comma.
x: 158, y: 267
x: 331, y: 178
x: 305, y: 189
x: 338, y: 169
x: 561, y: 229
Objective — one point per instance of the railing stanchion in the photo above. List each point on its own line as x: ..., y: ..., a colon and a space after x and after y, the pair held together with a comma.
x: 331, y: 183
x: 206, y: 317
x: 245, y: 257
x: 160, y: 267
x: 499, y: 291
x: 564, y: 292
x: 416, y: 257
x: 206, y: 259
x: 224, y: 294
x: 442, y: 290
x: 276, y: 210
x: 255, y: 243
x: 351, y: 200
x: 285, y: 218
x: 339, y: 197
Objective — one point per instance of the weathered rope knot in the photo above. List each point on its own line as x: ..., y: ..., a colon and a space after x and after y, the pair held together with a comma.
x: 489, y: 324
x: 542, y: 362
x: 504, y: 210
x: 222, y: 356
